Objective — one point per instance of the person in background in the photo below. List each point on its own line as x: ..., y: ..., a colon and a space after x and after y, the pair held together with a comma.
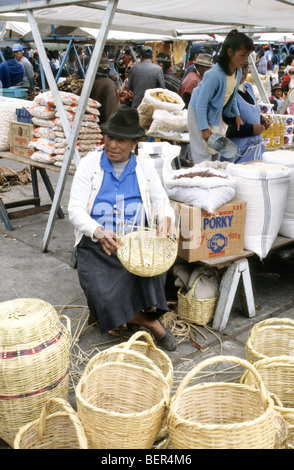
x: 106, y: 184
x: 195, y: 50
x: 113, y: 74
x: 248, y: 137
x: 11, y: 71
x: 277, y: 96
x: 192, y: 80
x: 289, y: 70
x: 172, y: 83
x: 104, y: 91
x: 28, y: 79
x: 215, y: 96
x: 261, y: 63
x: 145, y: 75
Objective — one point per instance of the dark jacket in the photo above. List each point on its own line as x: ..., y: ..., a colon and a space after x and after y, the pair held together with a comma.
x: 104, y: 91
x: 11, y: 73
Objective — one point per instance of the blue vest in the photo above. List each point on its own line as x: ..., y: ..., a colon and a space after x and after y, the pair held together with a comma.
x: 249, y: 148
x: 117, y: 196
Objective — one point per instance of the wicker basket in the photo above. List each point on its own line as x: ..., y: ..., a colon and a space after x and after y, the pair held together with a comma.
x: 149, y: 349
x: 144, y: 253
x: 34, y: 361
x: 269, y: 338
x: 221, y: 415
x: 200, y: 311
x: 121, y: 404
x: 277, y: 374
x: 59, y: 430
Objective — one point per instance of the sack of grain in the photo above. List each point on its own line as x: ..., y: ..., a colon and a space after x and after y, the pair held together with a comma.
x: 162, y: 98
x: 172, y: 122
x: 206, y: 188
x: 264, y: 187
x: 285, y: 158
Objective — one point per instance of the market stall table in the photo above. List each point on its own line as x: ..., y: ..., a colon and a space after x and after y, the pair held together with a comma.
x: 35, y: 167
x: 237, y: 267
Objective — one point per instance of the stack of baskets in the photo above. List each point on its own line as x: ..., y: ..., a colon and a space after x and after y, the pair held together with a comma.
x: 200, y: 311
x: 34, y: 362
x: 59, y: 430
x: 221, y: 415
x: 122, y: 398
x: 270, y: 348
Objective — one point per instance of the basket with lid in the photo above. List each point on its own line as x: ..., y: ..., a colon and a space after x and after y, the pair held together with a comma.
x: 122, y: 402
x: 34, y: 361
x: 59, y: 430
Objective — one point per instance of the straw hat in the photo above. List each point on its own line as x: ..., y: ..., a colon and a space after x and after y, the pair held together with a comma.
x: 204, y: 60
x: 123, y: 123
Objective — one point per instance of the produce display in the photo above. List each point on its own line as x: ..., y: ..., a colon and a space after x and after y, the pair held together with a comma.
x: 49, y: 140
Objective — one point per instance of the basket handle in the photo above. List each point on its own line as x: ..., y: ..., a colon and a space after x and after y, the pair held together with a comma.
x: 68, y: 324
x: 207, y: 362
x: 137, y: 335
x: 46, y: 411
x: 190, y: 295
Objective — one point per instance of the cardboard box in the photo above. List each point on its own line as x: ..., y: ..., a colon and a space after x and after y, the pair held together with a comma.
x: 20, y: 136
x: 204, y: 235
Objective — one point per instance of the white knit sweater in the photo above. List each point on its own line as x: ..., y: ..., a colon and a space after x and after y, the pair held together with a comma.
x: 87, y: 182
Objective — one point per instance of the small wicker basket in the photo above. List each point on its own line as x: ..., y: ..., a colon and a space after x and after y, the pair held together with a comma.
x: 122, y: 404
x: 200, y: 311
x: 269, y: 338
x: 59, y: 430
x: 144, y: 253
x: 221, y: 415
x: 277, y: 374
x: 34, y: 361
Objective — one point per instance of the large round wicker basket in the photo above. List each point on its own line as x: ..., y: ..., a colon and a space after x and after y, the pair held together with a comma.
x: 200, y: 311
x: 221, y: 415
x: 59, y: 430
x: 269, y: 338
x: 34, y: 361
x: 122, y: 404
x: 144, y: 253
x: 277, y: 374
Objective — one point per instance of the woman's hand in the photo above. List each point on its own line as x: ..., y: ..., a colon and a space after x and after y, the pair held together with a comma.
x: 164, y: 227
x: 206, y: 133
x: 238, y: 122
x: 107, y: 238
x: 258, y: 129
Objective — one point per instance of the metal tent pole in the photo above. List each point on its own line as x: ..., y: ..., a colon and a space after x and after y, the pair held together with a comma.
x: 73, y: 133
x: 257, y: 80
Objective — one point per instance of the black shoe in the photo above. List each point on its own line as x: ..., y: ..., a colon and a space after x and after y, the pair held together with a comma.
x: 168, y: 342
x: 133, y: 328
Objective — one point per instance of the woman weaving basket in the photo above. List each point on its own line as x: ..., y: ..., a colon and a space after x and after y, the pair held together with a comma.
x: 107, y: 184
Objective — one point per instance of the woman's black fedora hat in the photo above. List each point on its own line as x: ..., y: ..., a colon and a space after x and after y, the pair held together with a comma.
x: 123, y: 123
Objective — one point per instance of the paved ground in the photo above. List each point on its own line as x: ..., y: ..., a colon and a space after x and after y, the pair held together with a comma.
x: 27, y: 272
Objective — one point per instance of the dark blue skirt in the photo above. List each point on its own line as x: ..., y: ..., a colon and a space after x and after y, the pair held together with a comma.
x: 115, y: 295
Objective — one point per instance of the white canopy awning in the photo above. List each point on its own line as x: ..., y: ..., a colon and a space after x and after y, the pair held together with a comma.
x: 167, y: 17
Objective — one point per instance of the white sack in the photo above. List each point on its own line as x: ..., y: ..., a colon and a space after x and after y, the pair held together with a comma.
x: 285, y: 158
x: 208, y: 193
x: 164, y: 121
x: 8, y: 108
x: 178, y: 105
x: 264, y: 187
x: 158, y: 152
